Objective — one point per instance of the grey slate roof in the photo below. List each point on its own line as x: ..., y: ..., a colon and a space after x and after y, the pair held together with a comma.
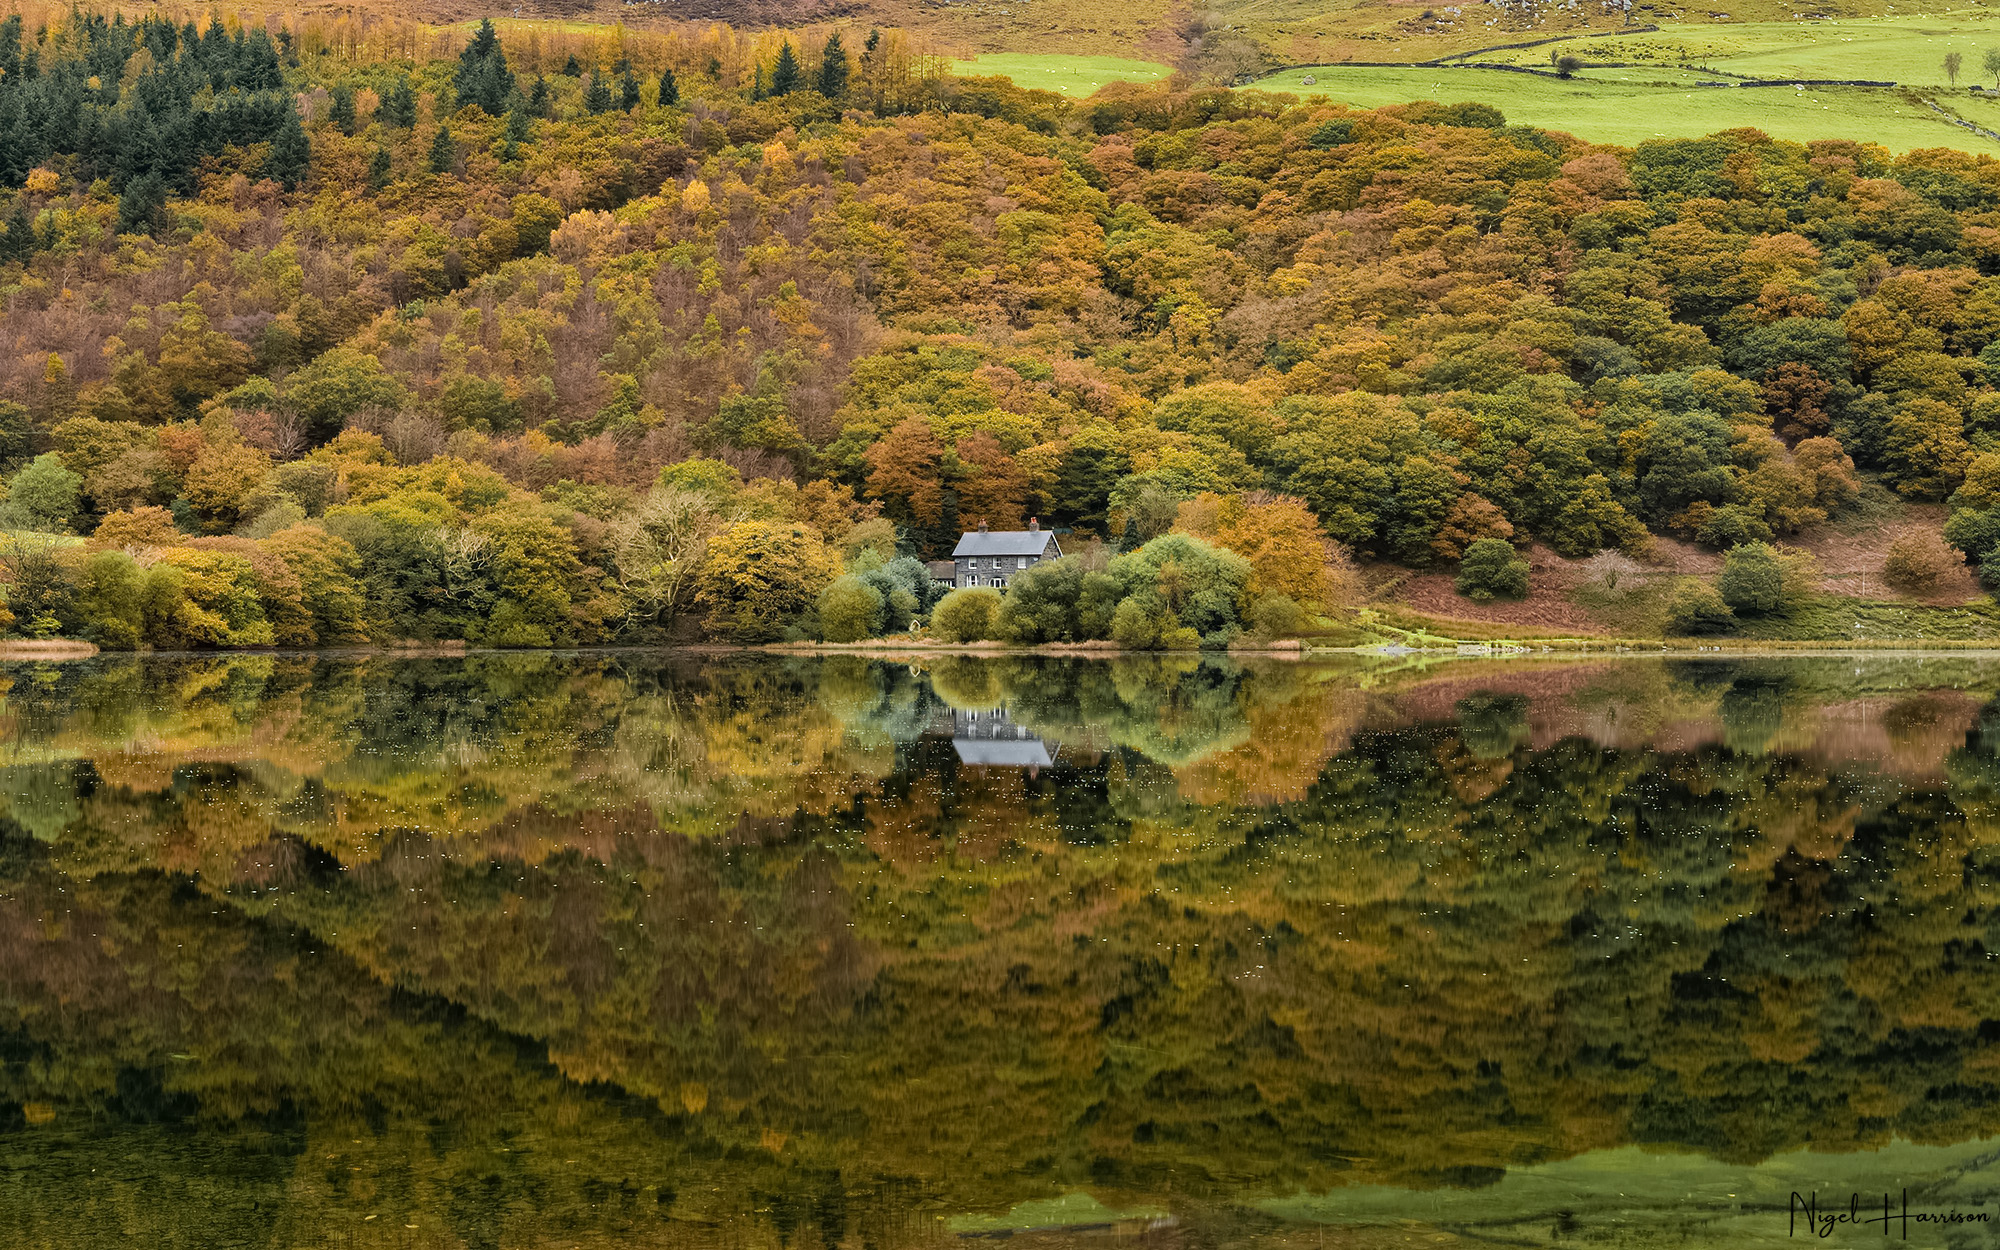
x: 1003, y: 543
x: 1019, y: 753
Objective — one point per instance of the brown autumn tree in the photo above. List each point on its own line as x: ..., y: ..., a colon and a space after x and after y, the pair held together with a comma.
x: 905, y: 472
x: 994, y: 487
x: 1796, y: 396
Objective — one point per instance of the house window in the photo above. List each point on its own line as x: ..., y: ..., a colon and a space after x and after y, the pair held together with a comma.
x: 1021, y: 562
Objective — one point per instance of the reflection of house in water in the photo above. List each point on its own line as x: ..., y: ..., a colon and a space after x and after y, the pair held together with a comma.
x: 988, y: 739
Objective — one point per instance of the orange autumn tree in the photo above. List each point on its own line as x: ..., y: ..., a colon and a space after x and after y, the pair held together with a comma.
x: 994, y: 486
x: 904, y: 472
x: 1289, y: 553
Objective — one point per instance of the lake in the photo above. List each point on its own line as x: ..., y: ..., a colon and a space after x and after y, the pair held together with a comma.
x: 638, y: 949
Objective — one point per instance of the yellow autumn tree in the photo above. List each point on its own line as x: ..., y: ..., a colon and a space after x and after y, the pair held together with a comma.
x: 1288, y: 552
x: 760, y: 576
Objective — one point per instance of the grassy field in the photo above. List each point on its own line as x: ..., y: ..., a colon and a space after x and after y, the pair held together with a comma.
x: 1900, y: 50
x: 1602, y: 108
x: 1070, y: 75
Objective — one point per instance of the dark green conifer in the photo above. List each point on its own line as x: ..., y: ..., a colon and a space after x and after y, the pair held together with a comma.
x: 832, y: 81
x: 785, y: 75
x: 444, y: 153
x: 400, y: 109
x: 291, y: 153
x: 343, y: 110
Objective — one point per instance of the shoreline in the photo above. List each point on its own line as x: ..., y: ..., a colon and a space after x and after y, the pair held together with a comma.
x: 57, y: 650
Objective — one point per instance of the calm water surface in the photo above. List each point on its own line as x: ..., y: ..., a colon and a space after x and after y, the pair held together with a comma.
x: 621, y: 950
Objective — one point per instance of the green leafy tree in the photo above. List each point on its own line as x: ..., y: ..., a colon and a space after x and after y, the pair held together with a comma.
x: 968, y: 614
x: 1058, y: 601
x: 40, y: 588
x: 111, y: 600
x: 1491, y: 569
x: 1698, y: 608
x: 533, y: 569
x: 43, y: 496
x: 850, y: 609
x: 1178, y: 582
x: 337, y: 385
x: 1758, y: 579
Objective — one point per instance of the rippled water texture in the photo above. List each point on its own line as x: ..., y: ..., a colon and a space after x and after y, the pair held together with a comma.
x: 622, y: 950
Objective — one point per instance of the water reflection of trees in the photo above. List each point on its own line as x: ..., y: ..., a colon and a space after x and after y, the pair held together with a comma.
x: 747, y: 942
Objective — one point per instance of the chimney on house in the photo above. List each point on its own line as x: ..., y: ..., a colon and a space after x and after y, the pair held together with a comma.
x: 1034, y: 525
x: 982, y: 525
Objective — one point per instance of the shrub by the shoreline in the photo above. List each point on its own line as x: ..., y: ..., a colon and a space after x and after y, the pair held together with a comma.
x: 969, y: 614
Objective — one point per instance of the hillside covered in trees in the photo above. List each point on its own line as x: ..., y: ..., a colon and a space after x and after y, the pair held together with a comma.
x: 310, y: 336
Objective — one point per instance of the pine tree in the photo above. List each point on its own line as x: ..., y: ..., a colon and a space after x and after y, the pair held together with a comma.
x: 400, y: 109
x: 19, y: 243
x: 10, y: 46
x: 571, y: 69
x: 670, y: 90
x: 596, y: 96
x: 518, y: 125
x: 628, y: 92
x: 539, y: 104
x: 343, y: 110
x: 785, y: 75
x: 444, y: 153
x: 379, y: 170
x: 482, y: 77
x: 291, y: 153
x: 833, y: 69
x: 757, y: 84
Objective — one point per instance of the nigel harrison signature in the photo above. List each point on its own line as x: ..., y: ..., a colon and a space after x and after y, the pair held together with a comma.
x: 1809, y: 1217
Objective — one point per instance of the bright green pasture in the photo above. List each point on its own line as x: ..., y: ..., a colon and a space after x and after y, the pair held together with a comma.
x: 1602, y: 109
x: 1056, y: 71
x: 1897, y: 49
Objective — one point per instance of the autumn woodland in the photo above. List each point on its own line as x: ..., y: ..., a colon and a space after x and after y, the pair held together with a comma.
x: 320, y: 333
